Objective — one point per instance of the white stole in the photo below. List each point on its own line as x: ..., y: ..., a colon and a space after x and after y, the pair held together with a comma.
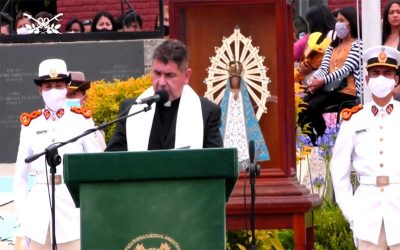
x: 189, y: 122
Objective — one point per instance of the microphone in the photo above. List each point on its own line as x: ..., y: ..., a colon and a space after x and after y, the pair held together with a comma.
x: 160, y: 96
x: 254, y: 168
x: 251, y: 151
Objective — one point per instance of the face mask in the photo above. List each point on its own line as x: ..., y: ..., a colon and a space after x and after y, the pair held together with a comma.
x: 341, y: 30
x: 54, y: 98
x: 104, y: 30
x: 22, y: 31
x: 381, y: 86
x: 166, y: 30
x: 73, y: 102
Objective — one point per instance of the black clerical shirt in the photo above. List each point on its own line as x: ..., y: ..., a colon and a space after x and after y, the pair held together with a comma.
x: 162, y: 135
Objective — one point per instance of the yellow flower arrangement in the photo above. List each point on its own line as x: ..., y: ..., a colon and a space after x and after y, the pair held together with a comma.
x: 104, y: 98
x: 300, y: 105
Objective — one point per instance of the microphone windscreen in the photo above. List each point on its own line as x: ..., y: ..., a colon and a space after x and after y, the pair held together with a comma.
x: 164, y: 97
x: 251, y: 150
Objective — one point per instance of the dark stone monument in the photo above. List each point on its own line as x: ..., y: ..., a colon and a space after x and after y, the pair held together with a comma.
x: 19, y: 64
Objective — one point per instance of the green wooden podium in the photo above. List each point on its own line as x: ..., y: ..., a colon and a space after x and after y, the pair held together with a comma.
x: 169, y: 199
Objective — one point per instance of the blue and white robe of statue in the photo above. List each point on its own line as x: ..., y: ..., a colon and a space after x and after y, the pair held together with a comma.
x: 239, y: 125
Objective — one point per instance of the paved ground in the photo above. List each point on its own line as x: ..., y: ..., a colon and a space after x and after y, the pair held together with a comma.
x: 6, y: 170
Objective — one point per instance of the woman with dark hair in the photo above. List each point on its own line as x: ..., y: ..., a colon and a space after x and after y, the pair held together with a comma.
x: 74, y: 26
x: 300, y: 28
x: 103, y: 21
x: 165, y: 21
x: 319, y: 19
x: 391, y: 24
x: 340, y: 59
x: 20, y: 22
x: 391, y: 32
x: 310, y: 49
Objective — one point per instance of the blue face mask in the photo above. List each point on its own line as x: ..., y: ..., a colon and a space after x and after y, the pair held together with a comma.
x: 73, y: 102
x: 341, y: 30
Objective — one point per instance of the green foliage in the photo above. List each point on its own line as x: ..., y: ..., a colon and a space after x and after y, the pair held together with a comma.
x: 105, y: 98
x: 286, y: 238
x: 265, y: 240
x: 331, y: 230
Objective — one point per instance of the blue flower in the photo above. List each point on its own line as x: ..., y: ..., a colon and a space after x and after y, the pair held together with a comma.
x: 326, y: 142
x: 318, y: 181
x: 303, y: 140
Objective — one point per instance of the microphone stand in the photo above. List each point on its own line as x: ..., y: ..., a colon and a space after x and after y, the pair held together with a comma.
x: 161, y: 17
x: 122, y: 13
x: 130, y: 12
x: 2, y: 15
x: 254, y: 170
x: 54, y: 159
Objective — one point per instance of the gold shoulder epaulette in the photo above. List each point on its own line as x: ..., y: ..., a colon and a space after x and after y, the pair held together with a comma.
x: 348, y: 112
x: 86, y: 112
x: 26, y: 118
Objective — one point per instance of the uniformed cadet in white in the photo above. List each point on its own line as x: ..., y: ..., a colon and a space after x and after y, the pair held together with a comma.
x: 55, y: 123
x: 368, y: 141
x: 76, y: 97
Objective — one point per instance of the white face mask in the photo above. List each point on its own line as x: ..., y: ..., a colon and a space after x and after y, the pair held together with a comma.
x: 341, y: 30
x: 22, y: 31
x: 381, y: 86
x: 73, y: 102
x: 54, y: 98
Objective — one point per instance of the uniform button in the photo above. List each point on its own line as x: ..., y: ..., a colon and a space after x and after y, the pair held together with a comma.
x: 53, y: 140
x: 382, y: 189
x: 53, y: 119
x: 54, y: 129
x: 382, y: 115
x: 381, y: 139
x: 381, y: 152
x: 381, y: 165
x: 381, y: 126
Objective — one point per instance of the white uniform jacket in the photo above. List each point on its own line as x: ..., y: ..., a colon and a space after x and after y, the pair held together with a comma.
x: 33, y: 208
x: 369, y: 143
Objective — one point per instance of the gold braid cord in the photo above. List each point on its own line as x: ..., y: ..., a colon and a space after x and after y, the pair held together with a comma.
x: 348, y: 112
x: 26, y: 118
x: 87, y: 113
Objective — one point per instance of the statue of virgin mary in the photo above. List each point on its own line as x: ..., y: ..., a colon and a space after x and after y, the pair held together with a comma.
x: 239, y: 124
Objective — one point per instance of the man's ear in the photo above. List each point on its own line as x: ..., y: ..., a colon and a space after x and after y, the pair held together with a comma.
x: 40, y: 90
x: 367, y: 79
x: 188, y: 73
x: 396, y: 78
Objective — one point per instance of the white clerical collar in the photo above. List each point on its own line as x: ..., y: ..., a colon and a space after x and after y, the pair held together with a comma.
x: 168, y: 104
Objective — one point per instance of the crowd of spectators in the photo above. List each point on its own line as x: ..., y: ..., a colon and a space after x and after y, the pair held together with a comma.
x: 327, y: 51
x: 102, y: 21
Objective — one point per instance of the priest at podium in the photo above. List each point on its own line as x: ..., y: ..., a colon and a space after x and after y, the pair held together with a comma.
x: 183, y: 120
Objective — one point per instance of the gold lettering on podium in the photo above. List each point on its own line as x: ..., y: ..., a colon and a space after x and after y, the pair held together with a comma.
x: 152, y: 241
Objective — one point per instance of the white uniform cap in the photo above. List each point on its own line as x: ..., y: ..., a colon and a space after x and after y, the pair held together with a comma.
x: 381, y: 56
x: 52, y: 70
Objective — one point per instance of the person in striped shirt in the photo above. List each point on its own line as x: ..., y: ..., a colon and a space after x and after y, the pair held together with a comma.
x: 342, y: 58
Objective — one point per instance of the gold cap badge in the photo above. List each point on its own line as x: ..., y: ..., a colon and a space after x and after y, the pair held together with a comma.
x: 53, y: 73
x: 382, y: 56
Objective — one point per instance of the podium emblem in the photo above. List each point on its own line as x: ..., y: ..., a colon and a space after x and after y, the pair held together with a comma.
x: 153, y: 241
